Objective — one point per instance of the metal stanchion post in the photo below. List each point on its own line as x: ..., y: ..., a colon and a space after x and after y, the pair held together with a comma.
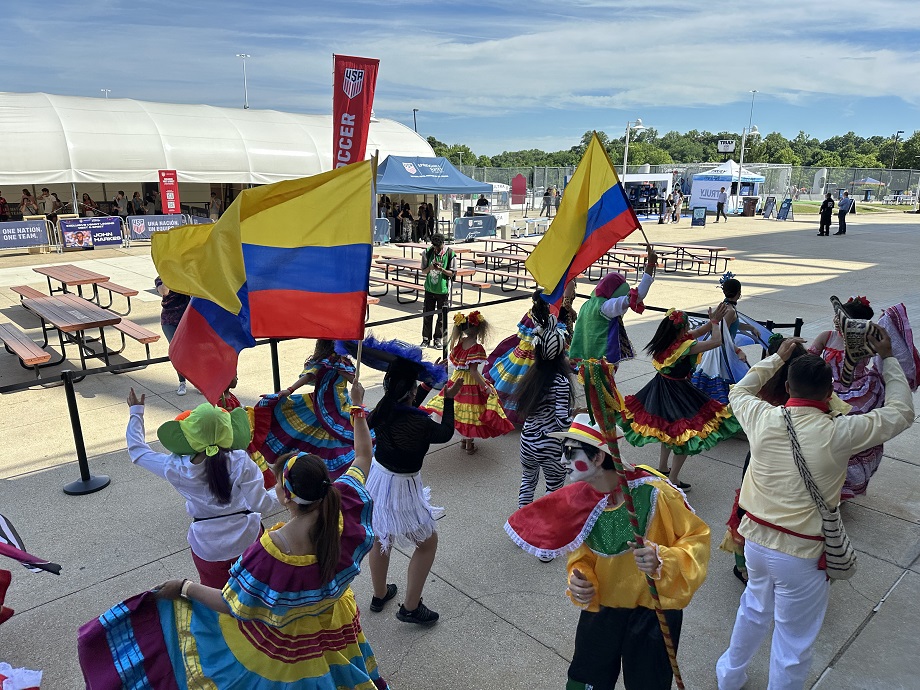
x: 276, y: 368
x: 445, y: 331
x: 87, y: 483
x: 799, y: 322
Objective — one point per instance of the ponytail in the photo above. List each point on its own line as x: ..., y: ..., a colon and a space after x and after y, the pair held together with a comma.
x: 325, y: 533
x: 216, y: 469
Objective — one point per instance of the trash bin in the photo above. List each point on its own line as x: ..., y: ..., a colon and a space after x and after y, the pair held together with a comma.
x: 867, y: 195
x: 750, y: 205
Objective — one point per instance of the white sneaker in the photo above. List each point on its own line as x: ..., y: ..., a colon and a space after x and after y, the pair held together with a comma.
x: 181, y: 390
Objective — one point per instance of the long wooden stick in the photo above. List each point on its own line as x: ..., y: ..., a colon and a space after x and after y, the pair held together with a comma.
x: 594, y: 377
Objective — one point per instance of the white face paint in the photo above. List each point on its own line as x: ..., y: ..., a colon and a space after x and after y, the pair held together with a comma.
x: 578, y: 465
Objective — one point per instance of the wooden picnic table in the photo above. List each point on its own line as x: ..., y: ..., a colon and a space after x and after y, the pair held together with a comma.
x: 415, y: 267
x: 704, y: 256
x: 69, y: 275
x: 615, y: 258
x: 520, y: 244
x: 412, y: 246
x: 71, y: 316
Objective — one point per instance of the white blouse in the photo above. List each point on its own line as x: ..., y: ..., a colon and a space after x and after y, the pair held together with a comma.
x: 222, y: 538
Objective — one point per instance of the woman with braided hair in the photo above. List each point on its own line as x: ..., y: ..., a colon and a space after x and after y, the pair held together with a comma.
x: 545, y: 398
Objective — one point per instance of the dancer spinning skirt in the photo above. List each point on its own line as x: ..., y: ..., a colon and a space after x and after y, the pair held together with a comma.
x: 514, y: 356
x: 477, y: 410
x: 286, y: 618
x: 317, y: 422
x: 669, y: 409
x: 864, y: 387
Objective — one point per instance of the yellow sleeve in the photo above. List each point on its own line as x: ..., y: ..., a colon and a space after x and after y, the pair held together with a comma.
x: 584, y: 559
x: 357, y: 474
x: 683, y: 547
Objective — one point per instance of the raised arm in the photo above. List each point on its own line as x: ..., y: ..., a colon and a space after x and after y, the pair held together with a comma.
x: 364, y: 447
x: 138, y: 449
x: 443, y: 431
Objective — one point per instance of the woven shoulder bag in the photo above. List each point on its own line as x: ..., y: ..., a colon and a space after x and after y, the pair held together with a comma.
x: 838, y: 551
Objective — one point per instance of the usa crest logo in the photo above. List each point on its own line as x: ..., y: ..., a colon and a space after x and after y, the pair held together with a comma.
x: 138, y: 226
x: 410, y: 168
x: 354, y: 82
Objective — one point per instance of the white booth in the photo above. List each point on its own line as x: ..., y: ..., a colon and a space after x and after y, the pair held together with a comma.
x: 708, y: 184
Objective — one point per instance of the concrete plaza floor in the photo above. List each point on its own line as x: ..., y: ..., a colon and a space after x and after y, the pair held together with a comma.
x: 505, y: 621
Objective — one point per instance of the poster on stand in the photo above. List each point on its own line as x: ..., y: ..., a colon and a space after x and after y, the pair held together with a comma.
x: 142, y: 227
x: 169, y: 192
x: 86, y: 233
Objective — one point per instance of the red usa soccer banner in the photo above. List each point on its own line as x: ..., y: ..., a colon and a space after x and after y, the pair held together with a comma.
x: 169, y: 191
x: 352, y: 99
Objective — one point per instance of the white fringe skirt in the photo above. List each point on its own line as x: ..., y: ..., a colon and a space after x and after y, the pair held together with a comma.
x: 402, y: 512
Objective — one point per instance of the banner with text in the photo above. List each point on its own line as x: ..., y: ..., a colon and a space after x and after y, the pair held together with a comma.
x: 169, y: 192
x: 24, y: 233
x: 86, y: 233
x: 143, y: 227
x: 352, y: 100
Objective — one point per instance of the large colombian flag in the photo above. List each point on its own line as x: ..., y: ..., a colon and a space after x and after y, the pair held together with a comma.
x: 287, y: 260
x: 594, y: 216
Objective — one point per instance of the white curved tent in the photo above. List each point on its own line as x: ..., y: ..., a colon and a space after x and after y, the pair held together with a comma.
x: 48, y: 139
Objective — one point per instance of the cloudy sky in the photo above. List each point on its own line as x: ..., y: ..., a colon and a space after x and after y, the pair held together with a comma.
x: 504, y: 75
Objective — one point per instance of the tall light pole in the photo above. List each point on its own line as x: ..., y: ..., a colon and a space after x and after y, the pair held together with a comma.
x: 894, y: 152
x: 630, y: 126
x: 243, y: 57
x: 106, y: 92
x: 414, y: 120
x: 745, y: 133
x: 750, y: 130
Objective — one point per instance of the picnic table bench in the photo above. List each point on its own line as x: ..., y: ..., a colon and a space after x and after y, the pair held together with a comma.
x: 30, y: 354
x: 69, y: 276
x: 414, y: 266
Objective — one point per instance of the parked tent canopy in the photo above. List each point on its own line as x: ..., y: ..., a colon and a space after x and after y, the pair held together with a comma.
x: 418, y: 175
x: 47, y: 139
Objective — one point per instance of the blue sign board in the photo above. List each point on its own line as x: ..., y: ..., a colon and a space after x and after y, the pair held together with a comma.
x: 699, y: 217
x: 470, y: 228
x: 25, y: 233
x: 382, y: 230
x: 142, y: 227
x: 784, y: 210
x: 86, y: 233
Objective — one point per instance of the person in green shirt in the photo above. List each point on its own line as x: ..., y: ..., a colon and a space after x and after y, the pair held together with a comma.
x: 438, y: 265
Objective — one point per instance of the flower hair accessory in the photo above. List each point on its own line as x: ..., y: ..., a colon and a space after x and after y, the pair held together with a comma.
x: 460, y: 319
x: 474, y: 319
x: 676, y: 316
x: 728, y: 275
x: 289, y: 490
x: 860, y: 299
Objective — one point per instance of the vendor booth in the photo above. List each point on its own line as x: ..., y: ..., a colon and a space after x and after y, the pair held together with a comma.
x: 645, y: 191
x: 401, y: 176
x: 707, y: 185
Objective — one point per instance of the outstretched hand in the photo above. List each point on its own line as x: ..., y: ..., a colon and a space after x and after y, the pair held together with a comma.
x: 719, y: 312
x: 581, y: 588
x: 788, y: 346
x: 134, y: 400
x: 357, y: 393
x: 453, y: 388
x: 881, y: 343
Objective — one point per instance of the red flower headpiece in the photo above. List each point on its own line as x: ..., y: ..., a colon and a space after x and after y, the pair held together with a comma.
x: 474, y: 319
x: 859, y: 298
x: 677, y: 316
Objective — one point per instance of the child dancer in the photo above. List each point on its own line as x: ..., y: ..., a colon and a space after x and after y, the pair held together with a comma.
x: 317, y: 422
x: 402, y: 511
x: 724, y: 366
x: 515, y: 355
x: 545, y: 398
x: 477, y: 411
x: 287, y: 617
x: 223, y: 489
x: 669, y: 409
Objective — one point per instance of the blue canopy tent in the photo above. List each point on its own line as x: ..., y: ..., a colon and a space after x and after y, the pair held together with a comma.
x: 417, y: 175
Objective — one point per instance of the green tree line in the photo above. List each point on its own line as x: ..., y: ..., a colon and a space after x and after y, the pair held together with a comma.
x: 848, y: 150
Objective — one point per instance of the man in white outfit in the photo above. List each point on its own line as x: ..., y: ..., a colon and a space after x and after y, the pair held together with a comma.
x: 721, y: 200
x: 783, y: 526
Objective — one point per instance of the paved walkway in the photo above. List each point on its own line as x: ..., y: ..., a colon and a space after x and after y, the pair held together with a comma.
x: 505, y: 621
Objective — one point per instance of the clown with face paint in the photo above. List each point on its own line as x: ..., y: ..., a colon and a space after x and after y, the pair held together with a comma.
x: 587, y: 520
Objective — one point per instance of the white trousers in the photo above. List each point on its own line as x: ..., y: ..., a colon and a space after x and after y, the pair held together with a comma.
x: 794, y: 593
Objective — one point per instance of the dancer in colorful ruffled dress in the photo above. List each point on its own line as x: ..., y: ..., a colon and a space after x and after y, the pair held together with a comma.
x: 477, y: 410
x: 724, y: 366
x: 510, y: 361
x: 669, y: 409
x: 867, y: 390
x: 316, y: 422
x: 287, y: 618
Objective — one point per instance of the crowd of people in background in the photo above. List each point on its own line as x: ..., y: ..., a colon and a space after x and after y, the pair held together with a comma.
x: 405, y: 225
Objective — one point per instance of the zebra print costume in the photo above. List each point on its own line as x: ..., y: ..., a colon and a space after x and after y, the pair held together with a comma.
x: 539, y: 451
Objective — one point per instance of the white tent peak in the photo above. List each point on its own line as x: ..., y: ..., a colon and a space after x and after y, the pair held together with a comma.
x: 729, y: 170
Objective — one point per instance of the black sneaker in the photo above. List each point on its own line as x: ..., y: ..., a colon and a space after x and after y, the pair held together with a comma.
x: 438, y: 344
x: 425, y: 342
x: 421, y: 615
x: 377, y: 603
